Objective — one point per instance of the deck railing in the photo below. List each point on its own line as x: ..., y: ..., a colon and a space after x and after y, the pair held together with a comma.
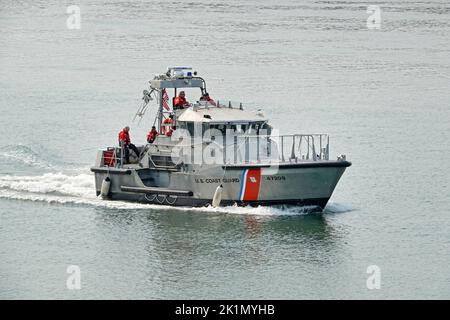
x: 239, y: 149
x: 244, y: 149
x: 282, y: 148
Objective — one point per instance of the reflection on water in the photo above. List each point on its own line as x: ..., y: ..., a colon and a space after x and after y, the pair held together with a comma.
x: 180, y: 247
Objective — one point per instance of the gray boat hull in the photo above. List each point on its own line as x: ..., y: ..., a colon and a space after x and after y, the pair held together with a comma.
x: 304, y: 183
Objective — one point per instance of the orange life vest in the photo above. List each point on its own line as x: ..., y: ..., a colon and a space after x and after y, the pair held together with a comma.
x: 151, y: 136
x: 180, y: 102
x: 124, y: 136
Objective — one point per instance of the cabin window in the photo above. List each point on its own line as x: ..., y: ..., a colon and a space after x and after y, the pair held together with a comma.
x: 215, y: 130
x: 251, y: 128
x: 205, y: 126
x: 190, y: 128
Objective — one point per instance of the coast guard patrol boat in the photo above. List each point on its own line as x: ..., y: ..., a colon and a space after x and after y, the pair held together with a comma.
x: 218, y: 154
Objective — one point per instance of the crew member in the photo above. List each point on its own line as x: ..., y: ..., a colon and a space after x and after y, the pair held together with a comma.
x: 151, y: 136
x: 206, y: 97
x: 180, y: 102
x: 167, y: 125
x: 125, y: 143
x: 170, y: 131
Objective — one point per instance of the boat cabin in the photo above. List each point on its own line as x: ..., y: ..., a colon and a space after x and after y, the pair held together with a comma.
x: 207, y: 115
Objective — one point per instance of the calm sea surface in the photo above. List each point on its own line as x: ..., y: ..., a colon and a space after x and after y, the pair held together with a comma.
x: 312, y: 66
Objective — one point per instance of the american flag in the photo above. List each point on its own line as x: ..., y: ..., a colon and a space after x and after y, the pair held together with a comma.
x: 165, y: 100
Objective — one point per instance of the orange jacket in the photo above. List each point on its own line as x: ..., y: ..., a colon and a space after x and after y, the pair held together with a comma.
x: 124, y: 136
x: 208, y: 98
x: 151, y: 136
x: 180, y: 102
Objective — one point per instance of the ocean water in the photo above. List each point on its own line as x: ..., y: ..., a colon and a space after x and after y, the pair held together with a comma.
x: 312, y: 66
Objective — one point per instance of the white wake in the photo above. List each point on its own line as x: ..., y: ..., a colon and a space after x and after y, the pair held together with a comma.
x: 79, y: 189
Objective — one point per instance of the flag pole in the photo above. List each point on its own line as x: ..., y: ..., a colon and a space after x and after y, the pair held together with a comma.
x: 160, y: 111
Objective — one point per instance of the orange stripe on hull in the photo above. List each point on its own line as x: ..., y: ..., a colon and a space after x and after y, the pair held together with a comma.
x: 252, y: 184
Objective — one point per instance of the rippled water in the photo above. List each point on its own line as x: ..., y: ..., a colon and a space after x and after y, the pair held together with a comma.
x: 313, y: 66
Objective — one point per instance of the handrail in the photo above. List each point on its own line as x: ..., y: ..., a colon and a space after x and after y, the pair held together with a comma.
x: 206, y: 141
x: 247, y: 149
x: 175, y: 166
